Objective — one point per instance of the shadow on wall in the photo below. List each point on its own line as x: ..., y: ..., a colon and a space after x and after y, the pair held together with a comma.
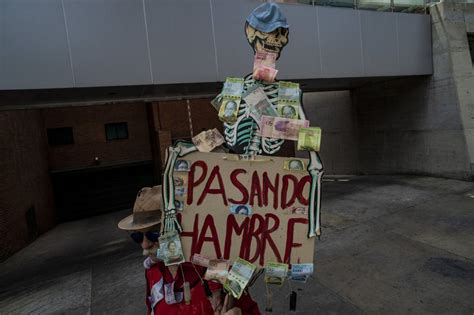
x: 334, y: 113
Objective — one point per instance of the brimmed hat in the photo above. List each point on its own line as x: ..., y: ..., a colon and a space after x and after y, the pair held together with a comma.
x: 267, y: 17
x: 147, y: 210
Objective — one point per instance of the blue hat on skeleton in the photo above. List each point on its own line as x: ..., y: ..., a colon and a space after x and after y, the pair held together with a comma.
x: 267, y: 17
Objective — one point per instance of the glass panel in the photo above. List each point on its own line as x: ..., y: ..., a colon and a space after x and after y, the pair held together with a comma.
x: 122, y: 132
x: 336, y: 3
x: 116, y: 131
x: 295, y: 1
x: 409, y: 6
x: 110, y: 131
x: 378, y: 5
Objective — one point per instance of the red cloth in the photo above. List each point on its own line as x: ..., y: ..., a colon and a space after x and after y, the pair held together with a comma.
x: 200, y: 304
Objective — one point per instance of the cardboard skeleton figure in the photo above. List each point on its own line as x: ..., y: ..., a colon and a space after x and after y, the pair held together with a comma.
x: 266, y: 30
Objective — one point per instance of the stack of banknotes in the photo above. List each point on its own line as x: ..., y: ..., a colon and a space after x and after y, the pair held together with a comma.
x: 230, y: 101
x: 239, y: 276
x: 259, y: 103
x: 277, y: 122
x: 289, y: 100
x: 208, y: 140
x: 264, y: 66
x: 281, y: 128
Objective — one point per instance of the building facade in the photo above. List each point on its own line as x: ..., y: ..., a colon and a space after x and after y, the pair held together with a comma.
x: 85, y: 120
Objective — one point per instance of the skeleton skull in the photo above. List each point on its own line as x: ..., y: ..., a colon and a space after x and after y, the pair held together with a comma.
x: 271, y: 42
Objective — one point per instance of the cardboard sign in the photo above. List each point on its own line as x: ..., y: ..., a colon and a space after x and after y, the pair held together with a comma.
x: 270, y: 227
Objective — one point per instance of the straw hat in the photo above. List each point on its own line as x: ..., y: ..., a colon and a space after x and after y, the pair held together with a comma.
x: 147, y: 210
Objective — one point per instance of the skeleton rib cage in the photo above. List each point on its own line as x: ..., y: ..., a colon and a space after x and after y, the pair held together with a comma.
x: 236, y: 134
x: 243, y: 135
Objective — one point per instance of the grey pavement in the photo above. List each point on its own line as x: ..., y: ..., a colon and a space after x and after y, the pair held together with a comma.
x: 390, y: 245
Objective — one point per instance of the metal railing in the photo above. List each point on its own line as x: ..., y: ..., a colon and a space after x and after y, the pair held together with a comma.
x: 406, y: 6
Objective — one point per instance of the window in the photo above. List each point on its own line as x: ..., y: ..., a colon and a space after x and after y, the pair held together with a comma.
x: 116, y: 131
x: 470, y: 38
x: 60, y: 136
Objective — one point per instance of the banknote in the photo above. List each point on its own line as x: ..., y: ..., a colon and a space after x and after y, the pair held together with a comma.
x: 264, y: 58
x: 170, y: 249
x: 229, y: 109
x: 200, y: 260
x: 216, y: 102
x: 181, y: 166
x: 238, y: 277
x: 180, y: 191
x: 299, y: 210
x: 179, y: 205
x: 218, y: 269
x: 233, y: 88
x: 288, y: 110
x: 259, y: 102
x: 294, y: 165
x: 309, y: 139
x: 301, y: 272
x: 275, y: 273
x: 245, y: 210
x: 281, y: 128
x: 265, y: 73
x: 288, y: 92
x: 208, y: 140
x: 180, y: 181
x: 172, y: 297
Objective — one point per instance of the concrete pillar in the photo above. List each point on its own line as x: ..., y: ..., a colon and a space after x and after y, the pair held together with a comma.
x: 451, y: 23
x: 424, y: 125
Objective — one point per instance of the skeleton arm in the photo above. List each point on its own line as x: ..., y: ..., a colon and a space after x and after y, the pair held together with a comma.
x: 315, y: 169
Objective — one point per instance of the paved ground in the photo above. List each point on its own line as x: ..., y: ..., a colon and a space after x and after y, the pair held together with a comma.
x: 390, y: 245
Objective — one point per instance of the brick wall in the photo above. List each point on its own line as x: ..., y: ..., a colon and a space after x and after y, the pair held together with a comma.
x: 25, y: 180
x: 90, y: 138
x: 175, y: 117
x: 173, y: 121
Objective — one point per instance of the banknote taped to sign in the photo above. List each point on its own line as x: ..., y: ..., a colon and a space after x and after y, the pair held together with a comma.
x: 216, y: 182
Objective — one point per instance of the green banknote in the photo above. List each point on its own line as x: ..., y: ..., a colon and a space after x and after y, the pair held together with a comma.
x: 239, y: 276
x: 294, y: 165
x: 309, y: 139
x: 229, y: 109
x: 233, y: 88
x: 288, y: 110
x: 275, y: 273
x: 288, y: 93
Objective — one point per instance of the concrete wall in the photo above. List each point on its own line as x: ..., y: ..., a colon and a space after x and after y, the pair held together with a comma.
x: 334, y: 113
x: 24, y: 181
x: 90, y: 139
x: 83, y: 43
x: 451, y: 23
x: 424, y: 125
x: 411, y: 127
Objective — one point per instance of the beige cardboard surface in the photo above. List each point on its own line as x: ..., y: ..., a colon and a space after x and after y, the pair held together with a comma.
x: 276, y: 230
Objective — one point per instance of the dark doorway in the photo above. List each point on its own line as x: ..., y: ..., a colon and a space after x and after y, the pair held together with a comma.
x: 97, y: 190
